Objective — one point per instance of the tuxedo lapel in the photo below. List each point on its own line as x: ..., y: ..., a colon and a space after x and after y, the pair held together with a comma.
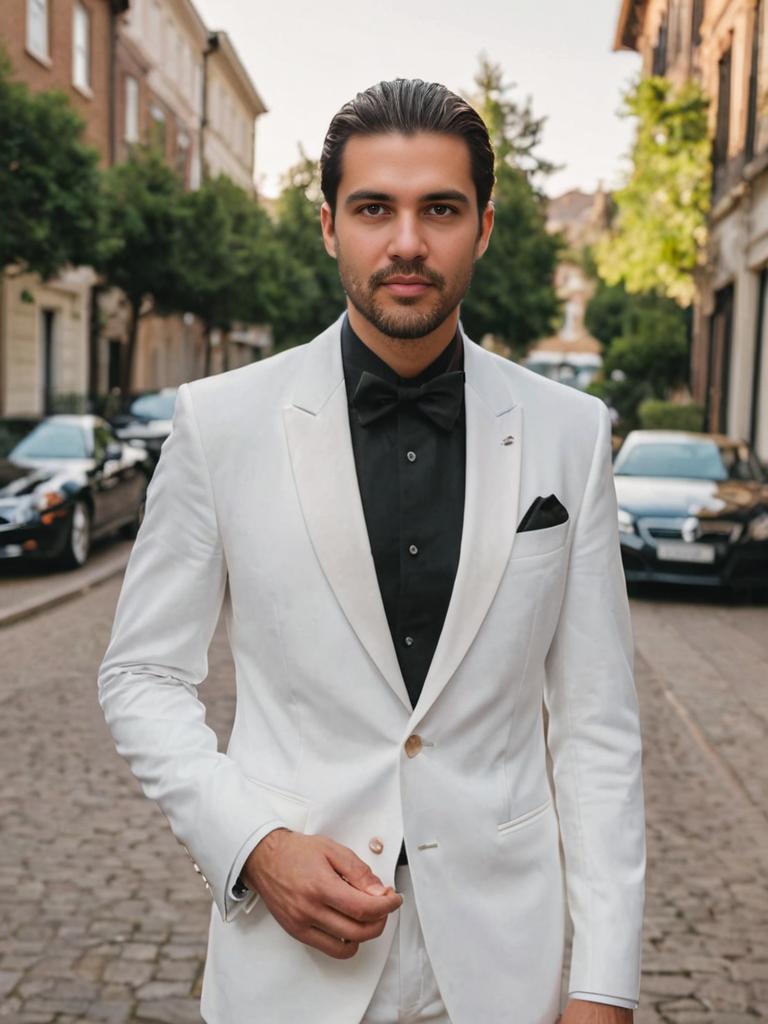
x: 322, y: 459
x: 494, y: 448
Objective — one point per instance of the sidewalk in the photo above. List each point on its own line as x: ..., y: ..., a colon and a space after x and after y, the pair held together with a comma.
x: 28, y: 589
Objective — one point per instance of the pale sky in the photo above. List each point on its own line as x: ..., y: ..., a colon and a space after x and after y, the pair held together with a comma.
x: 308, y: 58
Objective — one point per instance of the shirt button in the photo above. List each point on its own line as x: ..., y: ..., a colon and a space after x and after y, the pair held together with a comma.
x: 413, y: 745
x: 411, y: 456
x: 413, y: 549
x: 408, y: 641
x: 375, y: 845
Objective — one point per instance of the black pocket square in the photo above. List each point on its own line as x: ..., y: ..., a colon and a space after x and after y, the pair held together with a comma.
x: 543, y: 512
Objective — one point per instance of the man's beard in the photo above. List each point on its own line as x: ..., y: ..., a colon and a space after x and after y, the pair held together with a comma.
x: 406, y: 324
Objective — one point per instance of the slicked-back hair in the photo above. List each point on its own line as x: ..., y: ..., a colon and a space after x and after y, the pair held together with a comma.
x: 408, y: 106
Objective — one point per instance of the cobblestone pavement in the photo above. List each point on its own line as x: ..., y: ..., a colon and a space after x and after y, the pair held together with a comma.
x: 103, y: 919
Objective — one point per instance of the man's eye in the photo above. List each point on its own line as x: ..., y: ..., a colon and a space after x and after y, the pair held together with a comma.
x: 372, y: 209
x: 441, y: 210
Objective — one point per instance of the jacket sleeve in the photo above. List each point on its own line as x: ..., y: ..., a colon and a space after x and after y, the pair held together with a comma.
x: 169, y: 605
x: 594, y: 742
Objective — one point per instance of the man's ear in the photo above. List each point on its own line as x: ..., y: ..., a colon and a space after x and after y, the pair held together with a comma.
x: 486, y: 227
x: 329, y: 230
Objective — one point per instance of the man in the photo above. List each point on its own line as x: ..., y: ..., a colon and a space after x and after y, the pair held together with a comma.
x: 415, y: 545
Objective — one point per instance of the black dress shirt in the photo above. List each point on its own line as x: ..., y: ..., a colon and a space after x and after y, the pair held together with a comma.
x: 411, y: 476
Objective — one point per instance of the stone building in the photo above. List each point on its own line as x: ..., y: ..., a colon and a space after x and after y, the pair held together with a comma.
x: 724, y: 45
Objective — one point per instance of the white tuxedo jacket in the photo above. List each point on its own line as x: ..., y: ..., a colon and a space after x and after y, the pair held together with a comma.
x: 255, y: 507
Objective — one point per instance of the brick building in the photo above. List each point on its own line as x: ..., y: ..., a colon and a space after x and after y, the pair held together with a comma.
x: 724, y: 45
x: 136, y: 72
x: 44, y: 326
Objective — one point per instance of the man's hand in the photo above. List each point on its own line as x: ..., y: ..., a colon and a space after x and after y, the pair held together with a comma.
x: 320, y: 892
x: 579, y: 1011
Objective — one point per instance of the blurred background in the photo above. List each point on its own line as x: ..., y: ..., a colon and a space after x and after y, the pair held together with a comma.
x: 159, y: 204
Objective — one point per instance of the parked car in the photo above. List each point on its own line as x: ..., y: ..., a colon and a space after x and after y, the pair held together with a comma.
x: 64, y: 481
x: 148, y: 421
x: 693, y: 508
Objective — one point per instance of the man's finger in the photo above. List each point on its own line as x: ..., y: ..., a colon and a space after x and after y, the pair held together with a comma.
x: 329, y: 944
x: 344, y: 927
x: 360, y: 906
x: 346, y: 863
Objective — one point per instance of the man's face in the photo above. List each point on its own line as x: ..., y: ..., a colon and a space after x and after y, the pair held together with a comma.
x: 407, y: 230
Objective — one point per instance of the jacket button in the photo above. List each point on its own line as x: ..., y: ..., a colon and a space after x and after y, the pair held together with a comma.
x: 375, y: 845
x: 413, y: 745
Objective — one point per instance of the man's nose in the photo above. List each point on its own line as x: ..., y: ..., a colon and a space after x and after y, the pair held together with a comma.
x: 407, y: 241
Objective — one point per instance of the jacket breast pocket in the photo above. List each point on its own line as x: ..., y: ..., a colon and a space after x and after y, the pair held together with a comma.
x: 532, y: 543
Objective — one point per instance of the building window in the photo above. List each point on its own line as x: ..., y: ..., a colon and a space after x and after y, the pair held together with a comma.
x: 131, y: 109
x: 157, y: 128
x: 81, y: 49
x: 696, y: 20
x: 37, y: 27
x: 719, y: 361
x: 723, y: 122
x: 757, y: 111
x: 660, y: 51
x: 183, y: 142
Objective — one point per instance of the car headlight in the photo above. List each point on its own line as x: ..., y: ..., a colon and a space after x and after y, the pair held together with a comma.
x: 626, y: 521
x: 758, y: 528
x: 49, y: 499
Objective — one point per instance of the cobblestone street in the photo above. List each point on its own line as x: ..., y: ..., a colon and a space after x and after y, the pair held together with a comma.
x: 102, y: 917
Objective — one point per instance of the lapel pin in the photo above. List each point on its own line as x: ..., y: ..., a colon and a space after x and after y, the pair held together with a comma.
x: 508, y: 439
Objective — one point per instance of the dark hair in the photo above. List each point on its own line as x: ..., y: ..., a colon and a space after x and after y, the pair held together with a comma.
x: 408, y: 106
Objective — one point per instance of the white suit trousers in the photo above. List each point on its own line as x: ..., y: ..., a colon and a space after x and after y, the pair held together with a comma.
x: 407, y: 992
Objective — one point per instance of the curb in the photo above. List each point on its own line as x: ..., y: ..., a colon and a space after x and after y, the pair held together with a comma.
x: 34, y: 605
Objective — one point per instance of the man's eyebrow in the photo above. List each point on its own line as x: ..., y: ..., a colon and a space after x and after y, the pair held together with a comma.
x: 384, y: 197
x: 371, y: 197
x: 451, y: 193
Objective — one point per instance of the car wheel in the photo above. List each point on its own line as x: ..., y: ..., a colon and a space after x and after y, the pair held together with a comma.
x: 130, y: 530
x: 78, y: 545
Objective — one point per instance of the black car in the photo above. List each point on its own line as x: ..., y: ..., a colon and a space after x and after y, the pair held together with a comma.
x: 65, y: 480
x: 693, y: 508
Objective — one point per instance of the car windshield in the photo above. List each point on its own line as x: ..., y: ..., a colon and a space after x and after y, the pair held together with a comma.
x: 52, y: 440
x: 154, y: 407
x: 690, y: 460
x: 11, y: 432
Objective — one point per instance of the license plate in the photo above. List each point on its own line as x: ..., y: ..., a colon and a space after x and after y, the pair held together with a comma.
x: 681, y: 551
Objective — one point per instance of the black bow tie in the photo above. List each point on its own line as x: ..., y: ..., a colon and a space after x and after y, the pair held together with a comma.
x: 439, y: 399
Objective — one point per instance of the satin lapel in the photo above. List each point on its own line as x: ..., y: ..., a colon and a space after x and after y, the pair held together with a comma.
x: 320, y: 445
x: 494, y: 448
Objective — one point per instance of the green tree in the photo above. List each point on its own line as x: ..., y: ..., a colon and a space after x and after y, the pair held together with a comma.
x: 649, y: 358
x: 224, y: 271
x: 140, y: 252
x: 512, y: 294
x: 307, y: 291
x: 514, y: 130
x: 49, y: 181
x: 660, y: 228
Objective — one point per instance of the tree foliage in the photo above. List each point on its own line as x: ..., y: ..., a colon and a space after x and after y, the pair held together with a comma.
x: 225, y: 255
x: 49, y: 181
x: 512, y: 294
x: 647, y: 354
x: 660, y: 228
x: 140, y: 250
x: 306, y: 278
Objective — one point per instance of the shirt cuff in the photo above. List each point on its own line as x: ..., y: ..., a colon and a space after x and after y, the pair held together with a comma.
x: 245, y: 851
x: 598, y: 997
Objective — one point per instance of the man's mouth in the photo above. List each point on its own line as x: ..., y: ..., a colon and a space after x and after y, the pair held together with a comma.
x: 401, y: 285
